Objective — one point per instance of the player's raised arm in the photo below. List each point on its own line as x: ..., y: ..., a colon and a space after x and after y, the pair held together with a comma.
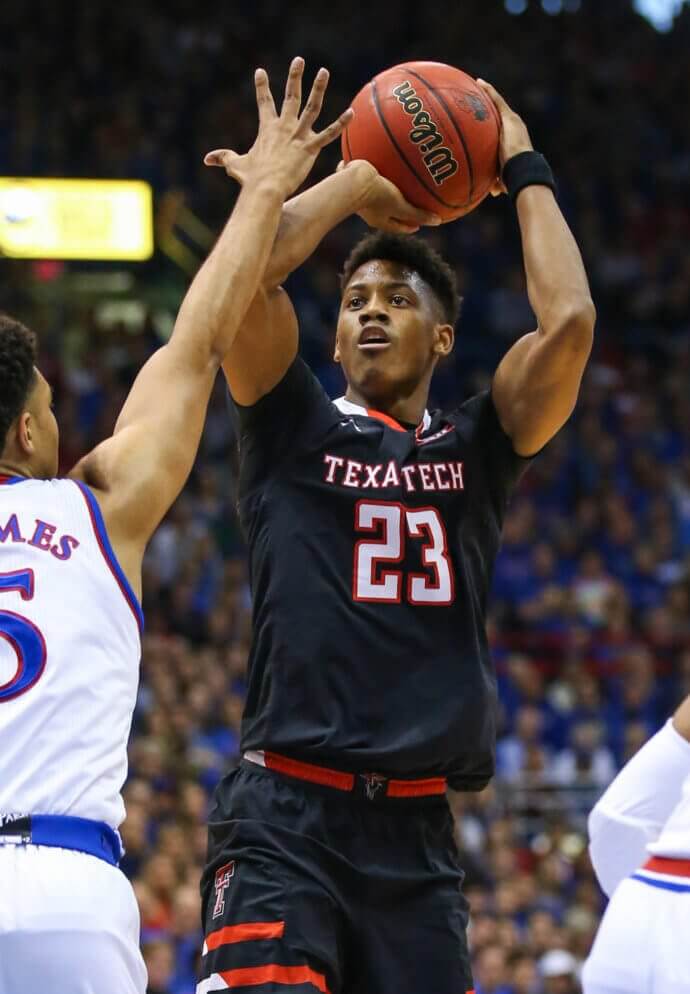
x: 139, y: 471
x: 536, y: 385
x: 267, y: 341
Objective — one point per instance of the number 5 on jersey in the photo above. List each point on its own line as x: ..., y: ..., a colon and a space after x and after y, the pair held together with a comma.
x: 22, y: 636
x: 393, y: 525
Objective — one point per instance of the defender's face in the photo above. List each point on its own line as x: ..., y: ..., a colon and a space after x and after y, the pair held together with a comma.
x: 45, y: 435
x: 387, y: 338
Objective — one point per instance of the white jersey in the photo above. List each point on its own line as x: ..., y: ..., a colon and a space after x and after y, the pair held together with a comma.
x: 645, y: 811
x: 69, y: 654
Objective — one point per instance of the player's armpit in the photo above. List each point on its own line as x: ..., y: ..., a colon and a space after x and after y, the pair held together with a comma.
x: 139, y: 471
x: 264, y: 348
x: 536, y: 384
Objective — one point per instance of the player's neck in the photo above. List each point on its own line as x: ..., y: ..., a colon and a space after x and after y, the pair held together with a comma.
x: 9, y: 468
x: 407, y: 410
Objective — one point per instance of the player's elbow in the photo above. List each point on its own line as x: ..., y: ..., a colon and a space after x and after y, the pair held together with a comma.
x: 575, y: 324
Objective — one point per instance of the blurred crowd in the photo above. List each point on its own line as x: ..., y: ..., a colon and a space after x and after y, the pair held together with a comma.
x: 590, y: 624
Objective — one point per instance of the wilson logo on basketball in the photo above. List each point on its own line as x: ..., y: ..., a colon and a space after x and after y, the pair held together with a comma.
x: 437, y: 157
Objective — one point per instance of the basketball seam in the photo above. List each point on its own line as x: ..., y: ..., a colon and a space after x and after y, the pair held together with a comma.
x: 458, y: 132
x: 384, y: 123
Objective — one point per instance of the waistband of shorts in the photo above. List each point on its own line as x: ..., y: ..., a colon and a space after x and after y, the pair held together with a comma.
x: 371, y: 786
x: 64, y: 832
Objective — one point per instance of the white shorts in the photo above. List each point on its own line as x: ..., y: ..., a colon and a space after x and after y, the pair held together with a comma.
x: 642, y: 944
x: 69, y: 922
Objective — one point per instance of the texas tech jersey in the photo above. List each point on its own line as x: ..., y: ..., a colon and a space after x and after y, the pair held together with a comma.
x: 371, y: 550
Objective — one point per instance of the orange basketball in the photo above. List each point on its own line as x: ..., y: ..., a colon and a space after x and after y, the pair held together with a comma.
x: 432, y: 131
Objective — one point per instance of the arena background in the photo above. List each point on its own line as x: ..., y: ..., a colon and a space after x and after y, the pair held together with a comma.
x: 590, y: 621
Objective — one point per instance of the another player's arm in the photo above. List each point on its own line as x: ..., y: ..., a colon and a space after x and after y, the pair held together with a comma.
x: 266, y: 344
x: 140, y: 470
x: 536, y: 385
x: 634, y: 808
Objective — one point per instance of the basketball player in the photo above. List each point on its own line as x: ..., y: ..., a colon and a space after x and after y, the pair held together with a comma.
x: 70, y: 581
x: 640, y: 849
x: 372, y: 526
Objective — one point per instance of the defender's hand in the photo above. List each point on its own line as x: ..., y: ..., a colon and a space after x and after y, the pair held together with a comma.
x: 383, y: 206
x: 514, y: 134
x: 286, y: 145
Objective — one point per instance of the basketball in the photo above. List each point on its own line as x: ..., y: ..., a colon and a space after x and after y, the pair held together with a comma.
x: 431, y: 130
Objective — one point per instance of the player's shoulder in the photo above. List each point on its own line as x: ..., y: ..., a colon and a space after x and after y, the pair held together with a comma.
x: 469, y: 415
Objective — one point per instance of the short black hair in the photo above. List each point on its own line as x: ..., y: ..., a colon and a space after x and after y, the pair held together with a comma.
x: 17, y: 371
x: 415, y: 254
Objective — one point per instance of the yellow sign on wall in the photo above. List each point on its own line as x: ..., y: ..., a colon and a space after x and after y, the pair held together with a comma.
x: 75, y: 219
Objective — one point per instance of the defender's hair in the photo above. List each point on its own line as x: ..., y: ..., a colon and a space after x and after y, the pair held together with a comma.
x: 17, y: 373
x: 414, y: 254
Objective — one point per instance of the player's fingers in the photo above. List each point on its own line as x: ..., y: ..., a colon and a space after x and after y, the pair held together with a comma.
x: 401, y: 227
x: 312, y: 108
x: 492, y: 92
x: 330, y: 133
x: 264, y: 97
x: 498, y: 188
x: 293, y: 87
x: 409, y: 214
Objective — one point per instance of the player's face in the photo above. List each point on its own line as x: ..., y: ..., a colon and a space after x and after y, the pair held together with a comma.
x: 390, y: 332
x: 45, y: 436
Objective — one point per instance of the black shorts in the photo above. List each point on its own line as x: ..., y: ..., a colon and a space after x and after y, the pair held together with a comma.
x: 311, y: 889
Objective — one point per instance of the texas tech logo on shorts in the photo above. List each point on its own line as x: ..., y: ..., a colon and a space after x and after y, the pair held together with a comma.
x: 373, y: 782
x: 224, y: 875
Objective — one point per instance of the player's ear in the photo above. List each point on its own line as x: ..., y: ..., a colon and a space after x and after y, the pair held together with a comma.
x: 444, y: 340
x: 26, y: 431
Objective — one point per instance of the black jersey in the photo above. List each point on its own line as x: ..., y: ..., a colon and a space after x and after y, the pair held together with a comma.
x: 371, y: 549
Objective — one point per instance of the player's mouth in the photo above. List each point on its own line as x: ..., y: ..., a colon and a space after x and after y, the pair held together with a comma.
x: 373, y: 339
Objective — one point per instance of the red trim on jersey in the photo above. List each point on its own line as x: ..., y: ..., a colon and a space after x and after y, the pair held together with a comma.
x: 110, y: 560
x: 666, y: 864
x: 416, y: 788
x: 386, y: 418
x: 251, y: 976
x: 307, y: 771
x: 244, y: 932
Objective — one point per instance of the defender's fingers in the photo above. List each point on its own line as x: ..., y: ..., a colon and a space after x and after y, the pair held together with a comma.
x: 313, y: 105
x: 264, y: 97
x: 220, y: 157
x: 293, y: 87
x: 330, y: 133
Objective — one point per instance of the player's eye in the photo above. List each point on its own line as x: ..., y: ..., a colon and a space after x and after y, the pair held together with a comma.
x: 398, y: 299
x: 355, y: 302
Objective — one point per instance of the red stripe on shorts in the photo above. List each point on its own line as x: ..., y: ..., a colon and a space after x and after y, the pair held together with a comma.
x: 252, y: 976
x: 244, y: 932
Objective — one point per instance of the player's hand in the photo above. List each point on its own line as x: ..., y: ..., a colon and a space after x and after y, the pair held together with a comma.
x: 514, y: 134
x: 286, y: 145
x: 383, y: 205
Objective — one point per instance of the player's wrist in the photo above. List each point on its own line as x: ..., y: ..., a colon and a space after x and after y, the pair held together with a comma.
x: 361, y: 179
x: 526, y: 168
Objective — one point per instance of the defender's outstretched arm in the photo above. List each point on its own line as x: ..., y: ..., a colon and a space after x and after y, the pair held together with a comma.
x: 140, y: 470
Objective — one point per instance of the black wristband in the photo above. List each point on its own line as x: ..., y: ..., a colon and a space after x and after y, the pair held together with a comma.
x: 527, y: 169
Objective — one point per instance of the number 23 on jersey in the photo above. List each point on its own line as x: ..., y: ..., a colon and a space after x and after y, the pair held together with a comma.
x: 388, y: 527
